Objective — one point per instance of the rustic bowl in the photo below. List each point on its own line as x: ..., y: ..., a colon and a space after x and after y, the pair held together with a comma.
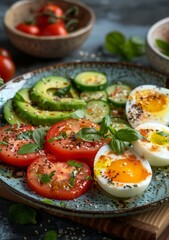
x: 47, y: 46
x: 157, y: 59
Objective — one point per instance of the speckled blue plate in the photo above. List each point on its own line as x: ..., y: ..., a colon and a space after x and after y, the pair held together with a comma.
x: 94, y: 203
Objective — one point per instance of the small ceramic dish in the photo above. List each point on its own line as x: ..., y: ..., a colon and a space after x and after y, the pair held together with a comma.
x: 47, y: 46
x: 156, y: 57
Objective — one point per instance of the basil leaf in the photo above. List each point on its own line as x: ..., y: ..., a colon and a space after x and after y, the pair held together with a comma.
x: 114, y: 41
x: 28, y: 148
x: 22, y: 214
x: 80, y: 113
x: 88, y: 134
x: 163, y: 45
x: 72, y: 178
x: 128, y: 135
x: 113, y: 131
x: 51, y: 235
x: 63, y: 204
x: 117, y: 44
x: 62, y: 135
x: 138, y: 45
x: 104, y: 125
x: 46, y: 178
x: 75, y: 164
x: 3, y: 143
x: 39, y: 136
x: 117, y: 146
x: 25, y: 135
x: 49, y: 201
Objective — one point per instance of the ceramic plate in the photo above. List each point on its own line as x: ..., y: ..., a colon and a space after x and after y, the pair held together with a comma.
x: 94, y: 203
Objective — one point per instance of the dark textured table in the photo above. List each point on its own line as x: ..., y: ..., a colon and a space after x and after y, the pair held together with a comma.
x: 132, y: 17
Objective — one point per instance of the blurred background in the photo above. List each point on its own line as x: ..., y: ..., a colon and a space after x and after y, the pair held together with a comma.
x: 132, y: 17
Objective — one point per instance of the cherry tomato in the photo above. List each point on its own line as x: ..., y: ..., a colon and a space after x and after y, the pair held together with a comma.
x: 7, y: 68
x: 10, y: 143
x: 55, y: 29
x: 58, y: 180
x: 68, y: 147
x: 28, y: 28
x: 4, y: 52
x: 48, y: 14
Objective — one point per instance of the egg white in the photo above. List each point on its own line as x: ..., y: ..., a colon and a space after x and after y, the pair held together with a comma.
x: 140, y: 109
x: 103, y: 159
x: 154, y: 148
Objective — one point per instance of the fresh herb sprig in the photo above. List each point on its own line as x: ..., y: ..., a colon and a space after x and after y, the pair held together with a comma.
x: 163, y: 45
x: 38, y: 136
x: 117, y: 137
x: 117, y: 44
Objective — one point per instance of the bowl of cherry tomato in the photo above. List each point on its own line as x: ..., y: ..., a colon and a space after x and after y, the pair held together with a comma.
x: 48, y: 29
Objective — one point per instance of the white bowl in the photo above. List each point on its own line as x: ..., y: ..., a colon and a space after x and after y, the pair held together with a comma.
x: 158, y: 60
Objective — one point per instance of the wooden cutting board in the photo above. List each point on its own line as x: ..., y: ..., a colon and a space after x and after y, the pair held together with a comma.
x: 151, y: 225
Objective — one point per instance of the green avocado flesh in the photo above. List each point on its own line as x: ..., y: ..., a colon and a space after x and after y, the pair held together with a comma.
x: 44, y: 94
x: 36, y: 116
x: 9, y: 114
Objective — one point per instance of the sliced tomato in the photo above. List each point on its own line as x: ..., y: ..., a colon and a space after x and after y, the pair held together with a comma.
x: 10, y: 143
x: 58, y: 180
x: 60, y: 140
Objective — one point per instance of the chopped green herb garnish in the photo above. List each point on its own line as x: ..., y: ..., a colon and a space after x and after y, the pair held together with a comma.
x: 63, y: 204
x: 49, y: 201
x: 88, y: 177
x: 63, y: 135
x: 72, y: 178
x: 75, y: 164
x: 46, y: 178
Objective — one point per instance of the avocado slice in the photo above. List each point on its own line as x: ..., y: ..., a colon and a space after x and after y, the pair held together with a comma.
x: 44, y: 94
x: 35, y: 115
x: 9, y: 113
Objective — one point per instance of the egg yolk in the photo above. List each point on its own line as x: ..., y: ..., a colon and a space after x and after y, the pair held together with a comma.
x: 125, y: 170
x: 160, y: 138
x: 151, y: 101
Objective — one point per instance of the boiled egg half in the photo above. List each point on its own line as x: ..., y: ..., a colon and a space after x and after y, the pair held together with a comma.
x: 122, y: 176
x: 155, y: 143
x: 148, y: 103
